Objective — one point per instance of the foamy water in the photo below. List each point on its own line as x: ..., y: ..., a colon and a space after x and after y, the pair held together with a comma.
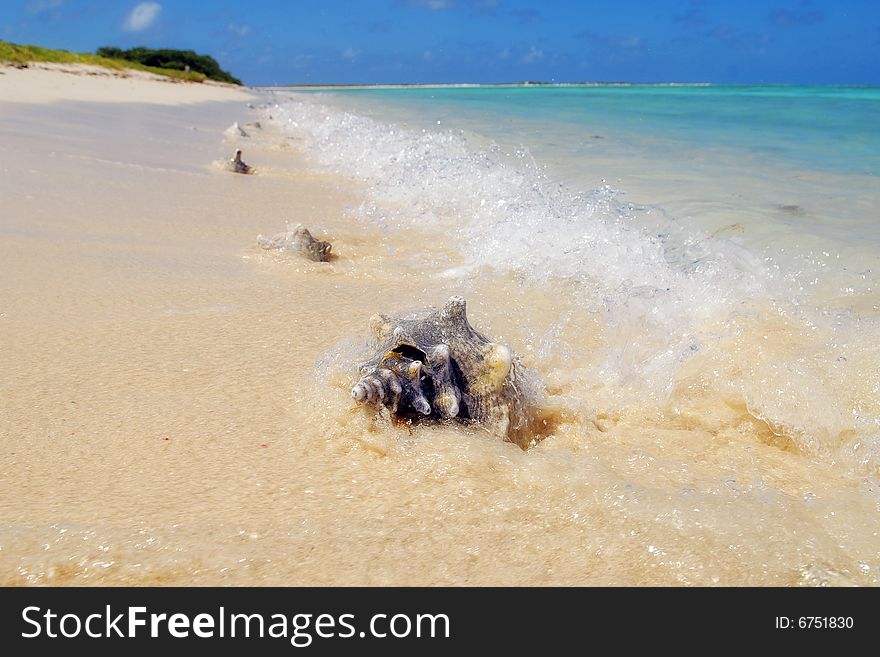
x: 663, y: 294
x: 660, y: 337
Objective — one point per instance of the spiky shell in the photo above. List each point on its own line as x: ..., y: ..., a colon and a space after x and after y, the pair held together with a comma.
x: 436, y: 365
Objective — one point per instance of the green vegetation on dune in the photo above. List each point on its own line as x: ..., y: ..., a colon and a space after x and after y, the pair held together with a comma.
x: 22, y: 54
x: 167, y: 58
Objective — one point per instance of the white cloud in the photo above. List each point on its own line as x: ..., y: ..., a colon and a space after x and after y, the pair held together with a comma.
x: 300, y: 61
x: 533, y: 56
x: 432, y: 4
x: 239, y: 30
x: 142, y: 17
x: 350, y: 54
x: 38, y: 6
x: 479, y: 6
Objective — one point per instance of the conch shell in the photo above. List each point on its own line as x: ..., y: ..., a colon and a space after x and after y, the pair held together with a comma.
x: 437, y: 367
x: 236, y: 165
x: 299, y: 239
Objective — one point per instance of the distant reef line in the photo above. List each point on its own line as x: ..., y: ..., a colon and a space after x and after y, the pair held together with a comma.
x: 465, y: 85
x: 528, y: 84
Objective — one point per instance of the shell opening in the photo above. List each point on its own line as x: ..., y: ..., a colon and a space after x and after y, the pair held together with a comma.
x: 410, y: 352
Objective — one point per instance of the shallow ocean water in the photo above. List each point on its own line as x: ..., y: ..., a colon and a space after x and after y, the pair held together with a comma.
x: 690, y: 271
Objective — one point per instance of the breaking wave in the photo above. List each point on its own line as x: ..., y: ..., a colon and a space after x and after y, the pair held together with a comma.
x: 674, y: 307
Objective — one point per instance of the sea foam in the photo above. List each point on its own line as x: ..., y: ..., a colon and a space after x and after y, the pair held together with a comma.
x: 665, y: 295
x: 502, y: 210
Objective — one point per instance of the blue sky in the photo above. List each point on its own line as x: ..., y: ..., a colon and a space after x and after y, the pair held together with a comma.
x: 392, y: 41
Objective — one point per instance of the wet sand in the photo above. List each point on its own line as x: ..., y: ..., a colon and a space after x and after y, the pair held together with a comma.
x: 175, y: 403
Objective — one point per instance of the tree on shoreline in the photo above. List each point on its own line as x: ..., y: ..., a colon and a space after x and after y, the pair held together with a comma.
x: 180, y: 60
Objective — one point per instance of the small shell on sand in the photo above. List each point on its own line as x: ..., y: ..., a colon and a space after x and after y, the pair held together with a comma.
x: 235, y: 130
x: 298, y: 239
x: 236, y: 165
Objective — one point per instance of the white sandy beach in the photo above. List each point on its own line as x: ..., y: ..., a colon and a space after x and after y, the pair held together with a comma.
x: 174, y: 402
x: 43, y: 82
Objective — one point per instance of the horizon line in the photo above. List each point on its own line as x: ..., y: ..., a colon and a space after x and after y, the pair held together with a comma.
x: 532, y: 83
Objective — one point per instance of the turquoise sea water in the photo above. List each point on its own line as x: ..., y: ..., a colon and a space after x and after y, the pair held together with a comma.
x: 827, y: 128
x: 784, y: 166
